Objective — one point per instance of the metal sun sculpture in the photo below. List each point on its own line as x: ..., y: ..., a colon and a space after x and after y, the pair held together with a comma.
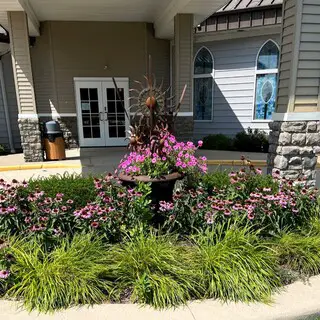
x: 154, y: 112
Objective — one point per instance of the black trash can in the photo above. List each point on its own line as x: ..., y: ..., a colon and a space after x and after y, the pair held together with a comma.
x: 53, y: 141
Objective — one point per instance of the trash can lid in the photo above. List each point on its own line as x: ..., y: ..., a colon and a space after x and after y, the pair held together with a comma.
x: 52, y: 127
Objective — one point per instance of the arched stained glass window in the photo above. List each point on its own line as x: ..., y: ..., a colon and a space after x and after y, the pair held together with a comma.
x: 266, y: 80
x: 203, y: 64
x: 203, y: 85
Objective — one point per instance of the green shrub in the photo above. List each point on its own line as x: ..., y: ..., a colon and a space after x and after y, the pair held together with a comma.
x: 154, y: 269
x: 217, y: 142
x: 76, y: 187
x: 247, y: 141
x: 3, y: 150
x: 251, y: 141
x: 216, y: 179
x: 65, y: 277
x: 299, y: 253
x: 235, y: 265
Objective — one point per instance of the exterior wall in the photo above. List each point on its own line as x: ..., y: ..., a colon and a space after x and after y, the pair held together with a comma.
x: 234, y: 86
x: 19, y: 41
x: 287, y: 54
x: 307, y: 92
x: 21, y: 64
x: 299, y: 85
x: 12, y: 105
x: 183, y: 56
x: 91, y: 49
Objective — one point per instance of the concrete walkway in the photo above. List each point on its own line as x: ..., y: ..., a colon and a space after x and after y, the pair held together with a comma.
x: 297, y: 302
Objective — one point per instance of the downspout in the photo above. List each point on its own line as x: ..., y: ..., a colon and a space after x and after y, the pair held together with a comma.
x: 5, y: 107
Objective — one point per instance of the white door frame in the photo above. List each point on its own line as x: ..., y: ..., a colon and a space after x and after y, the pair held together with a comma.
x: 99, y: 82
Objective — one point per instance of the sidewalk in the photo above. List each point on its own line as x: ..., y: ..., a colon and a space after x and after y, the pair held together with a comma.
x: 298, y: 301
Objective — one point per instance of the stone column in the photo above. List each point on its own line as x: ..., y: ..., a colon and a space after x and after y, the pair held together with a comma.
x: 295, y: 132
x: 22, y: 70
x: 183, y: 73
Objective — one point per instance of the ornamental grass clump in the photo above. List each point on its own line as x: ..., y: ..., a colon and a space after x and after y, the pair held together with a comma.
x: 153, y: 270
x: 234, y: 265
x: 69, y: 275
x: 299, y: 252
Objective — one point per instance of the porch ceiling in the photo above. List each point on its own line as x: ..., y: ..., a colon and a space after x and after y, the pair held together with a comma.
x: 160, y: 12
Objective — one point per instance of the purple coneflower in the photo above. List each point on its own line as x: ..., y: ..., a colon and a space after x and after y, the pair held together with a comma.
x: 4, y: 274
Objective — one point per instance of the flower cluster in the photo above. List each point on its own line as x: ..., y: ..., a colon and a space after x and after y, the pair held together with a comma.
x: 173, y: 156
x: 38, y: 215
x: 115, y: 210
x: 272, y: 208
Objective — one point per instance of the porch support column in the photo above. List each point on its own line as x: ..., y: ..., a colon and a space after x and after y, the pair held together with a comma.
x: 183, y: 71
x: 295, y: 131
x: 22, y: 70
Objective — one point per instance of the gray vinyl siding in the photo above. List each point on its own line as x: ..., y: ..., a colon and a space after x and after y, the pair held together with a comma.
x: 308, y: 81
x: 234, y: 85
x: 286, y: 54
x: 12, y: 105
x: 21, y: 61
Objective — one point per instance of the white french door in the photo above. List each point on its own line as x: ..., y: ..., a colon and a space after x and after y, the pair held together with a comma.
x: 101, y: 111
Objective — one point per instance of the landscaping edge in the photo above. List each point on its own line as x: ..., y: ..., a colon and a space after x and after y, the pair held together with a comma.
x: 39, y: 166
x: 296, y: 302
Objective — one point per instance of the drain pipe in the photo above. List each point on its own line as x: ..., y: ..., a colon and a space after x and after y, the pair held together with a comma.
x: 5, y: 107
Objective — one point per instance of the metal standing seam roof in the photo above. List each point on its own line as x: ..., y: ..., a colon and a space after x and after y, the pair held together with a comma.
x: 232, y: 5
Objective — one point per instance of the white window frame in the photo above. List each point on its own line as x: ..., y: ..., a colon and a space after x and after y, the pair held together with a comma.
x: 258, y: 72
x: 204, y: 75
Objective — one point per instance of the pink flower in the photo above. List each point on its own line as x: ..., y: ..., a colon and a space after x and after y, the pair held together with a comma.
x: 95, y: 224
x: 200, y: 143
x: 154, y: 160
x: 250, y: 216
x: 4, y: 274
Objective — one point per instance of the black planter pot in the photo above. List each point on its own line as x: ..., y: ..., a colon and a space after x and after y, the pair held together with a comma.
x: 161, y: 188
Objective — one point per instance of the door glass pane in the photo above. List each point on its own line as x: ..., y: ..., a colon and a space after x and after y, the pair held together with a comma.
x: 111, y: 106
x: 112, y: 131
x: 95, y: 120
x: 96, y: 132
x: 84, y: 94
x: 116, y: 113
x: 122, y: 131
x: 94, y: 106
x: 203, y: 98
x: 87, y: 132
x: 86, y: 120
x: 93, y: 94
x: 111, y: 94
x: 90, y: 113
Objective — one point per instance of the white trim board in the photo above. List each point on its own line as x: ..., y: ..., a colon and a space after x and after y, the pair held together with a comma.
x: 38, y: 115
x: 296, y: 116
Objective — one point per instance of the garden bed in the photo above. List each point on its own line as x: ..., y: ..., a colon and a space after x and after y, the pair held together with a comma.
x: 237, y: 236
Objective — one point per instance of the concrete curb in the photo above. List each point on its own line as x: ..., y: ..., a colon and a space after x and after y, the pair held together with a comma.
x: 296, y: 301
x: 40, y: 166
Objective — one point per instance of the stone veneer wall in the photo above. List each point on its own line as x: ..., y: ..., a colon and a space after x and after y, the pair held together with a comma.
x: 183, y: 128
x: 31, y: 139
x: 293, y: 149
